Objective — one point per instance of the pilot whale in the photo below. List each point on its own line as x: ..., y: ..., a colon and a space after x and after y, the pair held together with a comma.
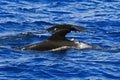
x: 58, y: 40
x: 66, y: 26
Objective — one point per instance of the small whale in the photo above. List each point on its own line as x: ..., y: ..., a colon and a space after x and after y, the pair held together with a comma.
x: 66, y: 26
x: 56, y: 42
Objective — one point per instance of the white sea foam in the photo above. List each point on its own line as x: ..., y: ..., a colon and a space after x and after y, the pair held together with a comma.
x: 81, y: 45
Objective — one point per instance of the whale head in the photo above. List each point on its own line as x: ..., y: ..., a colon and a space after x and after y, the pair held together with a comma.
x: 66, y: 26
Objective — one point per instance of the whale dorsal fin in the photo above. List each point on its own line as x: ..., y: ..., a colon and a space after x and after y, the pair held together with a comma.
x: 59, y: 35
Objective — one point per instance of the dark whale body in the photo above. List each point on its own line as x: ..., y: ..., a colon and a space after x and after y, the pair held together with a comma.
x: 55, y: 41
x: 58, y: 41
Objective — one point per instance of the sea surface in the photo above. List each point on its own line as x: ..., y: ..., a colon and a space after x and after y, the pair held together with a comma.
x: 22, y: 22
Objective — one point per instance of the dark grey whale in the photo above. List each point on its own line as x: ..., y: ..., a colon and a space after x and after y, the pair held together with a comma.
x: 66, y: 26
x: 58, y: 41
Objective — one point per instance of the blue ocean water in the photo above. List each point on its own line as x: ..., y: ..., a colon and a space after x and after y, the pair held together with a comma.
x: 22, y: 22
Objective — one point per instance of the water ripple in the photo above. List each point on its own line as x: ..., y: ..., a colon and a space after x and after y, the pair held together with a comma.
x: 23, y: 22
